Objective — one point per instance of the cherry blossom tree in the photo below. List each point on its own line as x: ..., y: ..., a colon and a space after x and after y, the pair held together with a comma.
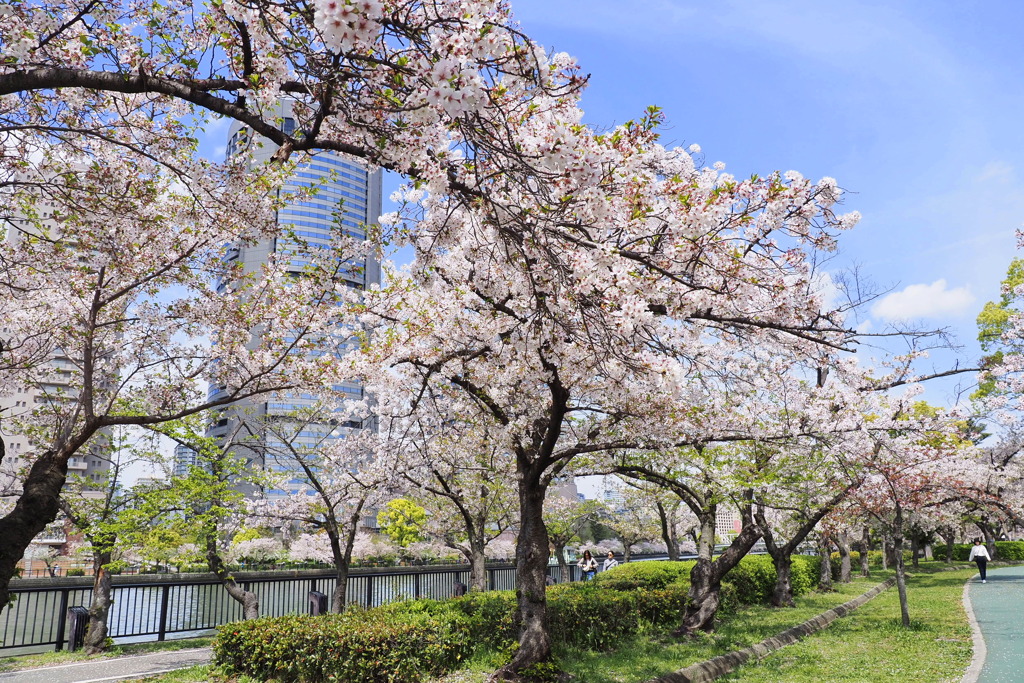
x: 463, y: 478
x: 328, y: 479
x: 598, y: 356
x: 570, y: 284
x: 112, y: 302
x: 634, y: 521
x: 923, y: 461
x: 564, y: 519
x: 110, y: 517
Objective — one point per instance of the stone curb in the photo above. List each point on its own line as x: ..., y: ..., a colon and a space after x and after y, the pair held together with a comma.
x: 980, y: 651
x: 723, y: 664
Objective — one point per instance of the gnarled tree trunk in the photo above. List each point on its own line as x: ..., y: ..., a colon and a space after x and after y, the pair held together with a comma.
x: 531, y: 573
x: 948, y: 534
x: 825, y: 553
x: 249, y: 602
x: 96, y: 633
x: 706, y: 576
x: 845, y: 568
x: 988, y: 532
x: 37, y: 507
x: 563, y: 566
x: 343, y: 557
x: 865, y: 550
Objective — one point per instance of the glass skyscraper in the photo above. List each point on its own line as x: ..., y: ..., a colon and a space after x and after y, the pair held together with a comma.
x: 347, y: 197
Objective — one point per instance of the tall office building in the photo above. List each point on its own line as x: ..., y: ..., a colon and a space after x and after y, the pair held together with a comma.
x: 348, y: 197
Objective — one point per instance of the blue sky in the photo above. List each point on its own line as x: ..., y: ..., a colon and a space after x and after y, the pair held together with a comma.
x: 914, y: 107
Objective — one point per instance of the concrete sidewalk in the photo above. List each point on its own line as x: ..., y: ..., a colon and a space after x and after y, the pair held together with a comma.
x: 997, y: 607
x: 115, y: 669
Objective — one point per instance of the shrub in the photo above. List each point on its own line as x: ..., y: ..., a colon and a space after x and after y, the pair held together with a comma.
x: 651, y: 575
x: 804, y: 574
x: 1011, y: 551
x: 76, y: 572
x: 754, y: 579
x: 399, y: 644
x: 491, y: 617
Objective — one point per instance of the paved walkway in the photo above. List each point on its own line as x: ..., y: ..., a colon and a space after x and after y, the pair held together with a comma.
x: 997, y: 607
x: 115, y: 669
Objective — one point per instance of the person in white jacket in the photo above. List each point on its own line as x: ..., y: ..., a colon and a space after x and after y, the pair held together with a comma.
x: 980, y: 556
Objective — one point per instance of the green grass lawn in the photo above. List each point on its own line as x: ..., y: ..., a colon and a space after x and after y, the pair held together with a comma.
x: 871, y: 645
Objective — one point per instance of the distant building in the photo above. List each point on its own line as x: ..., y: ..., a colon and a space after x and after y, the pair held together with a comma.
x: 57, y: 386
x: 348, y: 198
x: 184, y: 458
x: 727, y: 523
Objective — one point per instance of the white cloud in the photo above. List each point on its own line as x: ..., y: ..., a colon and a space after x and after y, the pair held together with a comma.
x: 924, y: 301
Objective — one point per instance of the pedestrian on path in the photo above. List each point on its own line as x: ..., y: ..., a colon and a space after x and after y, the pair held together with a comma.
x: 587, y: 565
x: 610, y: 561
x: 980, y: 556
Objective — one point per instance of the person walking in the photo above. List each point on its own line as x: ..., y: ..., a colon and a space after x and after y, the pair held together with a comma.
x: 980, y: 556
x: 610, y: 562
x: 587, y: 565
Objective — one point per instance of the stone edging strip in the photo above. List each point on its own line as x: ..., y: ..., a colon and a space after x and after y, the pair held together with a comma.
x: 723, y: 664
x: 980, y: 652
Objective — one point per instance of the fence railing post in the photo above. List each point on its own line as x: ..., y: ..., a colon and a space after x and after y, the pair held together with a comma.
x: 369, y: 591
x: 63, y: 620
x: 165, y: 595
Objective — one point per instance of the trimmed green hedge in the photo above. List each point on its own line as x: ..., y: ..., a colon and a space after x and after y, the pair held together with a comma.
x: 414, y: 640
x: 374, y: 646
x: 1010, y: 551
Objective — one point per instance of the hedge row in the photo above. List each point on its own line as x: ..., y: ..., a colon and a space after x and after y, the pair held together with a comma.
x: 375, y: 646
x: 1010, y: 551
x: 413, y: 640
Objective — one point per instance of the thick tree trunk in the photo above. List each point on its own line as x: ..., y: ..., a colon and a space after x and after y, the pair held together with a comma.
x: 915, y: 549
x: 37, y: 507
x: 531, y: 570
x: 901, y: 577
x: 668, y: 532
x: 845, y: 563
x: 706, y: 576
x: 990, y: 537
x: 825, y: 553
x: 343, y: 556
x: 782, y: 595
x: 627, y: 552
x: 478, y: 565
x: 782, y: 559
x: 865, y: 559
x: 96, y: 633
x: 888, y: 554
x: 949, y: 536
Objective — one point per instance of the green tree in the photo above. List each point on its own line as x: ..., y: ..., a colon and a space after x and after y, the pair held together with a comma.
x: 994, y: 321
x: 402, y: 521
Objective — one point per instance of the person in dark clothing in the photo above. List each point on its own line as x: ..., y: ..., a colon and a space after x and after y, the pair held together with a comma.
x: 979, y: 553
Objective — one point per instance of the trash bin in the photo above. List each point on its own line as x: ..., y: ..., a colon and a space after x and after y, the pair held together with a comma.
x: 317, y: 603
x: 78, y: 620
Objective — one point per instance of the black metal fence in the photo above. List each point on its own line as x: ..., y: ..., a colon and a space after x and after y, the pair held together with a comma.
x: 163, y: 607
